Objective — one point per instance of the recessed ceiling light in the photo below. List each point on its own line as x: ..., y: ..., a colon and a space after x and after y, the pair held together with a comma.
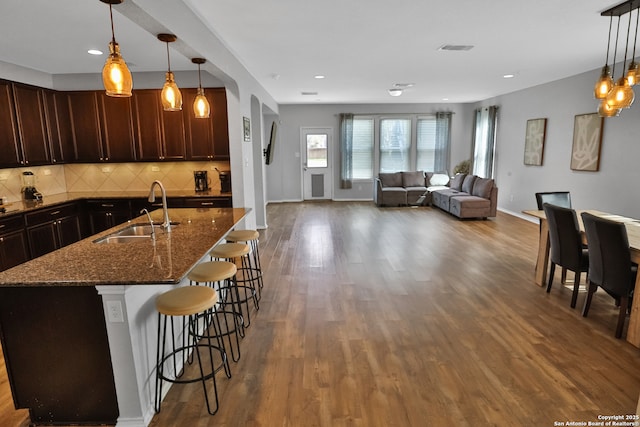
x: 509, y: 76
x: 319, y: 76
x: 395, y: 92
x: 445, y: 99
x: 94, y: 52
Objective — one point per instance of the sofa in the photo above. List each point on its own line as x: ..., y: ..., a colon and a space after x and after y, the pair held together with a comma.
x: 468, y: 196
x: 407, y: 188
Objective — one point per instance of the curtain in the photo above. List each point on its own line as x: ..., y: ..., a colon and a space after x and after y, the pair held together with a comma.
x: 484, y: 141
x: 443, y: 142
x: 346, y: 150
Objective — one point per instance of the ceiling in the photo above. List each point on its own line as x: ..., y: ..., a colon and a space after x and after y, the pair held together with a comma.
x: 362, y: 47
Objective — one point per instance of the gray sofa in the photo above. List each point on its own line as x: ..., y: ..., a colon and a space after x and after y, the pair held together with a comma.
x: 468, y: 196
x: 399, y: 188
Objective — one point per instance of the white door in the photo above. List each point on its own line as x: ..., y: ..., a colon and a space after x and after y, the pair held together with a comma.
x: 316, y: 163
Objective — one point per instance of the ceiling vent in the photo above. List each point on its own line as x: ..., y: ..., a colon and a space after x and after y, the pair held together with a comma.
x: 456, y: 47
x: 309, y: 93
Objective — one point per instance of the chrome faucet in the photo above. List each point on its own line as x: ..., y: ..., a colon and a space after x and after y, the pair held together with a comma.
x: 153, y: 231
x: 166, y: 224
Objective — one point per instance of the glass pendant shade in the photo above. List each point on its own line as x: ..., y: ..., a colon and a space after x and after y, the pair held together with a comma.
x: 171, y: 96
x: 605, y: 111
x: 201, y: 107
x: 621, y: 95
x: 632, y: 74
x: 604, y: 84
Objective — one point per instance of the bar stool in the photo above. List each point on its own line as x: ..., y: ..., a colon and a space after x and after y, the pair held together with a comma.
x: 239, y: 253
x: 197, y: 304
x: 221, y: 273
x: 250, y: 237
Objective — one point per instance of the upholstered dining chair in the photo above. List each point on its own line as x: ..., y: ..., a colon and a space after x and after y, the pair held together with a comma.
x: 566, y: 245
x: 610, y: 265
x: 558, y: 198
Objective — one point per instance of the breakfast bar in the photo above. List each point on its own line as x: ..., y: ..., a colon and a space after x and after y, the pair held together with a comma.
x: 78, y: 324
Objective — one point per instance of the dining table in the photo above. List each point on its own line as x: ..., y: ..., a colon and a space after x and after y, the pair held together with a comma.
x: 633, y: 232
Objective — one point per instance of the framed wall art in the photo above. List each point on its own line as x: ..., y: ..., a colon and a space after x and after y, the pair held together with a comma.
x: 587, y: 142
x: 247, y: 129
x: 534, y: 141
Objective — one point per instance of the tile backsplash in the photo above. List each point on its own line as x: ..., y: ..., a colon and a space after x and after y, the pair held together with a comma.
x: 107, y: 177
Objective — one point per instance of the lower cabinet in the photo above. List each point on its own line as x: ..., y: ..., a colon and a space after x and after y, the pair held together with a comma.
x: 53, y: 228
x: 106, y: 213
x: 14, y: 245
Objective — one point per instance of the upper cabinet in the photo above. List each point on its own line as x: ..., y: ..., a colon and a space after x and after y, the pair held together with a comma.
x: 159, y: 134
x: 207, y: 139
x: 102, y: 127
x: 32, y: 126
x: 8, y: 129
x: 42, y: 126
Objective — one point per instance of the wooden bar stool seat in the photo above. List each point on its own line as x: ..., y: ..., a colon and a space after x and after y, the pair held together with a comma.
x: 196, y: 304
x: 219, y: 275
x: 252, y: 238
x: 244, y: 287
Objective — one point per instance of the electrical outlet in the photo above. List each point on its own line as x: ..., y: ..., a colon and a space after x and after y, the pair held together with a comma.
x: 114, y: 312
x: 46, y: 172
x: 106, y: 169
x: 155, y: 169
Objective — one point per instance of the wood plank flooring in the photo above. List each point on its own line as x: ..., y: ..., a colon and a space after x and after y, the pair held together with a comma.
x: 410, y: 317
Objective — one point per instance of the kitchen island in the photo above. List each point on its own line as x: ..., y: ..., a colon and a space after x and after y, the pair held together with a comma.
x: 78, y: 325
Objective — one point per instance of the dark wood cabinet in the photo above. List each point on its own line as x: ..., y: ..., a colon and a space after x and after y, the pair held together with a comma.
x: 102, y: 127
x: 117, y: 128
x: 14, y: 246
x: 9, y: 154
x: 106, y: 213
x: 208, y: 202
x: 207, y: 139
x: 159, y: 134
x: 85, y: 125
x: 60, y: 133
x: 32, y: 124
x: 52, y: 228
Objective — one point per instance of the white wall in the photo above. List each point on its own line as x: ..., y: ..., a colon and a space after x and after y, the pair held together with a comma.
x: 612, y: 189
x: 285, y: 173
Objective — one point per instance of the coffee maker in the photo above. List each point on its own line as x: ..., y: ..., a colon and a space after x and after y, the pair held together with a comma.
x: 201, y: 180
x: 225, y: 181
x: 28, y: 187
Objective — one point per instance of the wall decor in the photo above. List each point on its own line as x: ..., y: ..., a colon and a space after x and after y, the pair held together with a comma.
x: 534, y: 141
x: 587, y: 141
x: 247, y: 129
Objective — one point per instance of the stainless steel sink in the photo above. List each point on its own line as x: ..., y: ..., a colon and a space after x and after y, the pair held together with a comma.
x: 132, y: 233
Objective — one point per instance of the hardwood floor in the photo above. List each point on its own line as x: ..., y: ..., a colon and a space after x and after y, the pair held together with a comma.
x: 410, y: 317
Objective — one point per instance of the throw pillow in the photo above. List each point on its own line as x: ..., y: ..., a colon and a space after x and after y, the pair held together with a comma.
x: 413, y: 179
x: 456, y: 181
x: 439, y: 179
x: 393, y: 179
x: 467, y: 184
x: 482, y: 187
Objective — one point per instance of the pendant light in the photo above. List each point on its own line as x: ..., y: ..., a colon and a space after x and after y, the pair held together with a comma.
x: 605, y: 82
x: 621, y: 95
x: 632, y: 73
x: 170, y: 95
x: 201, y: 107
x: 116, y: 76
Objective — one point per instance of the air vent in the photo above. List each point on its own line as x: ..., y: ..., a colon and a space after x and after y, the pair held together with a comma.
x: 309, y: 93
x: 456, y: 47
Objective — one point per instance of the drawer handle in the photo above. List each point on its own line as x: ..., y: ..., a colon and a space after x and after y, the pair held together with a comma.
x: 206, y: 203
x: 106, y: 205
x: 3, y: 225
x: 54, y: 213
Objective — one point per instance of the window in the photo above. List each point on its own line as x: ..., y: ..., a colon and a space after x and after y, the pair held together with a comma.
x: 395, y: 142
x: 426, y: 144
x: 317, y: 150
x: 362, y: 148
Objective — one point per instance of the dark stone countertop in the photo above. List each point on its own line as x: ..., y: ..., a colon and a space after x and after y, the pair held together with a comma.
x: 173, y: 255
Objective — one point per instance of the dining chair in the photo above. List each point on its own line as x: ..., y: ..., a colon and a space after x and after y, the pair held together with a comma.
x: 558, y: 198
x: 610, y: 265
x: 565, y: 240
